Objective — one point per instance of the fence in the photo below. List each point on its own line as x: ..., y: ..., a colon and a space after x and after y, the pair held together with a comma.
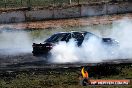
x: 46, y: 3
x: 82, y: 10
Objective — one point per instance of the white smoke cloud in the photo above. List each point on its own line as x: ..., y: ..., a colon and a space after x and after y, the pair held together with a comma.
x: 122, y: 31
x: 93, y: 50
x: 12, y: 42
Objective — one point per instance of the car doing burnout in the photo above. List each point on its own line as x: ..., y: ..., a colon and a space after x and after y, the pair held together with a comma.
x: 45, y: 47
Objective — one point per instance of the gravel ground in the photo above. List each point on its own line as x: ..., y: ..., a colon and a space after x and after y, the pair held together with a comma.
x: 28, y: 58
x: 86, y: 21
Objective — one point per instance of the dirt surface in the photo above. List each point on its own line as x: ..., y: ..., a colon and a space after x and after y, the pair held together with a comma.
x: 86, y: 21
x: 26, y: 71
x: 27, y: 58
x: 62, y: 77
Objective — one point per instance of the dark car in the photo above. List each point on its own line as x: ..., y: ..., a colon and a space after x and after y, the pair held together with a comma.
x: 45, y: 47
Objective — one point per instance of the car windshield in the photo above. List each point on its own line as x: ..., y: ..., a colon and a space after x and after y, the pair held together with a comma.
x: 57, y: 37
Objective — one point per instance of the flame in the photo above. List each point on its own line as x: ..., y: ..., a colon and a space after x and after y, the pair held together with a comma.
x: 84, y: 73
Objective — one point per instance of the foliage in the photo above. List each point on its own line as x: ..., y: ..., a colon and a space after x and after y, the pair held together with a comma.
x: 62, y: 78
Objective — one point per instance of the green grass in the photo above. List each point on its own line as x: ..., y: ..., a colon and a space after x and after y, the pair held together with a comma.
x: 57, y: 78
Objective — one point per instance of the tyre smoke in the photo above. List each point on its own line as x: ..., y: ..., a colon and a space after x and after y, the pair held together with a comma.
x: 93, y: 50
x: 14, y: 42
x: 122, y: 31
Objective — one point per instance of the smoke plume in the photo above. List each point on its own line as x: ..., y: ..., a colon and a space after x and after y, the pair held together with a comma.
x: 92, y: 50
x: 14, y: 42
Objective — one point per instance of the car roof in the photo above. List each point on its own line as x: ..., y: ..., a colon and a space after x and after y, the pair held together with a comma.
x: 73, y: 32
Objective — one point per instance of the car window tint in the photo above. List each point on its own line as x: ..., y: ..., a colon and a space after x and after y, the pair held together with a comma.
x: 50, y: 38
x: 79, y: 37
x: 56, y: 37
x: 66, y: 37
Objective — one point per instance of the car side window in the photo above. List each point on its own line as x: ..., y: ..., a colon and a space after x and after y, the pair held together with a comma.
x: 79, y: 37
x: 66, y: 37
